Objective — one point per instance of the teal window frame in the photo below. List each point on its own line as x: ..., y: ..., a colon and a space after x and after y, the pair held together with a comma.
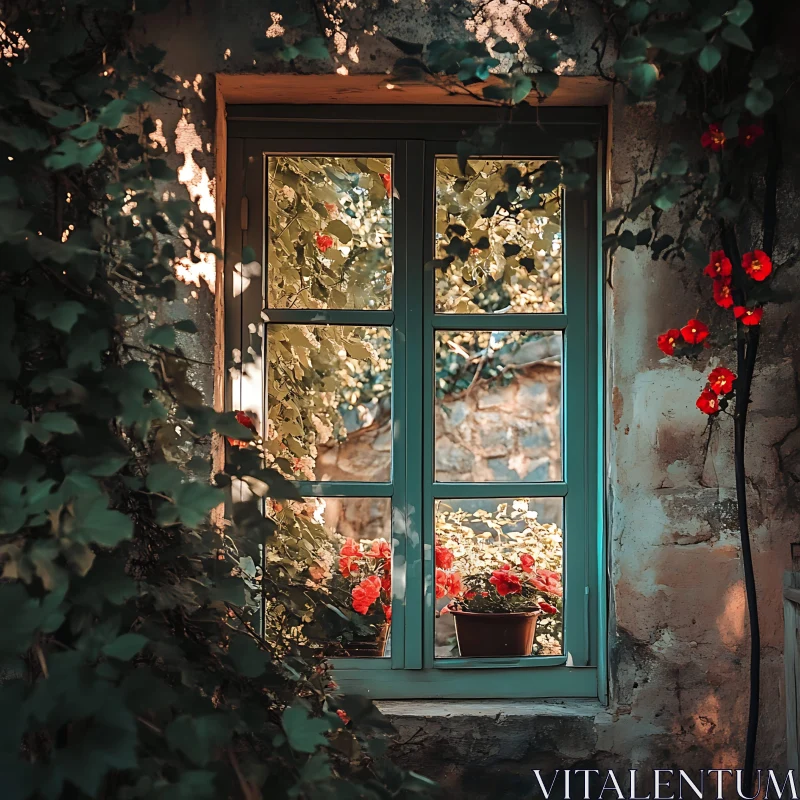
x: 415, y: 137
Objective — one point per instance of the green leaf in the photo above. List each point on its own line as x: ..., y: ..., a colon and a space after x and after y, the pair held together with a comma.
x: 248, y: 254
x: 643, y: 78
x: 58, y: 422
x: 758, y: 101
x: 314, y: 48
x: 737, y: 37
x: 198, y: 736
x: 638, y: 11
x: 580, y: 148
x: 95, y: 522
x: 247, y: 657
x: 304, y: 732
x: 125, y: 647
x: 161, y: 336
x: 740, y: 13
x: 546, y: 82
x: 709, y: 57
x: 409, y: 48
x: 340, y: 230
x: 522, y: 88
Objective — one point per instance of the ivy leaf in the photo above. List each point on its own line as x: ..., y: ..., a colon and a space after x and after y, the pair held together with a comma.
x: 758, y: 101
x: 161, y: 336
x: 125, y: 647
x: 737, y: 37
x: 522, y: 88
x: 547, y: 82
x: 247, y: 657
x: 643, y: 79
x: 740, y: 13
x: 709, y: 57
x: 340, y: 230
x: 314, y: 49
x: 198, y: 736
x: 409, y: 48
x: 58, y: 422
x: 303, y: 731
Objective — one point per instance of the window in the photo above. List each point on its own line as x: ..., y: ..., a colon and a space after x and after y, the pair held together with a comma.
x: 429, y: 374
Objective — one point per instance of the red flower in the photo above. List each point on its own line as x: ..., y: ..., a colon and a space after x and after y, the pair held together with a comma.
x: 527, y: 561
x: 748, y: 134
x: 324, y: 242
x: 548, y: 609
x: 242, y: 419
x: 469, y: 596
x: 748, y: 316
x: 347, y: 566
x: 506, y: 582
x: 444, y: 557
x: 545, y: 580
x: 380, y: 549
x: 386, y: 179
x: 366, y: 593
x: 343, y: 716
x: 454, y: 586
x: 708, y: 402
x: 386, y: 584
x: 694, y: 331
x: 387, y: 612
x: 713, y: 138
x: 441, y: 584
x: 351, y: 548
x: 721, y: 380
x: 758, y: 265
x: 722, y: 292
x: 666, y: 341
x: 718, y: 265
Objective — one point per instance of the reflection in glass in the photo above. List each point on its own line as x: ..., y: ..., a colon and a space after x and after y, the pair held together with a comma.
x: 347, y: 542
x: 475, y: 540
x: 498, y: 405
x: 509, y: 259
x: 329, y: 401
x: 329, y: 222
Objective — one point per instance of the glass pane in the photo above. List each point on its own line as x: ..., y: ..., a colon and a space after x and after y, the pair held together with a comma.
x: 348, y: 541
x: 329, y: 224
x: 498, y: 405
x: 498, y: 583
x: 510, y: 260
x: 329, y: 401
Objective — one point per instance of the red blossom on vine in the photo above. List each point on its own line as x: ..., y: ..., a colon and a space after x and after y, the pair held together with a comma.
x: 713, y: 138
x: 324, y: 242
x: 666, y: 341
x: 708, y: 402
x: 694, y: 331
x: 722, y: 292
x: 749, y: 134
x: 720, y: 380
x: 244, y: 420
x: 748, y: 316
x: 444, y: 557
x: 718, y: 265
x: 758, y: 265
x: 366, y: 593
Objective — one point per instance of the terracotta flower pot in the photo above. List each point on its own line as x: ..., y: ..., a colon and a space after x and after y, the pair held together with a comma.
x: 495, y: 634
x: 373, y: 647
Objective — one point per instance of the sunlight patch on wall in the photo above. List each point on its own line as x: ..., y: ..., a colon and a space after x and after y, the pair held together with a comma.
x: 201, y: 189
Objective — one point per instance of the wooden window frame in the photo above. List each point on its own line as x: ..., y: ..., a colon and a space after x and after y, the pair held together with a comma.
x: 414, y: 137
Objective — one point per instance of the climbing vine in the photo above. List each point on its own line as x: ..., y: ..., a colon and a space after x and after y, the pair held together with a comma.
x: 133, y: 661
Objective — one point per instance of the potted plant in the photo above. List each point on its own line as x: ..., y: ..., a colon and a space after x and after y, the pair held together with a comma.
x: 496, y: 610
x: 363, y: 580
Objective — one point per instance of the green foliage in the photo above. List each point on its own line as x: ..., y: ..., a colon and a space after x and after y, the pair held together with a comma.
x: 133, y: 661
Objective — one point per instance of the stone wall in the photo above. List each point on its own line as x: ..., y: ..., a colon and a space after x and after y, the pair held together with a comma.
x: 678, y: 632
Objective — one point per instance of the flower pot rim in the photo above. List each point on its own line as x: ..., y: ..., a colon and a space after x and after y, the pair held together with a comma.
x: 494, y: 613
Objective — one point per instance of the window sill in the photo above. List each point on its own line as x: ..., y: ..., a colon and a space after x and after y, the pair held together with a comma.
x: 450, y: 709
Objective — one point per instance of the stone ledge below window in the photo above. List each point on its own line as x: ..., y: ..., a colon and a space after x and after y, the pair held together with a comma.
x: 434, y: 709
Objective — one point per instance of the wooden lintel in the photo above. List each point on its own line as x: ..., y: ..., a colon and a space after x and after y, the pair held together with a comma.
x: 377, y: 89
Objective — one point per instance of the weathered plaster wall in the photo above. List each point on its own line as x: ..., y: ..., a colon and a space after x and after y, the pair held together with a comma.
x: 678, y: 634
